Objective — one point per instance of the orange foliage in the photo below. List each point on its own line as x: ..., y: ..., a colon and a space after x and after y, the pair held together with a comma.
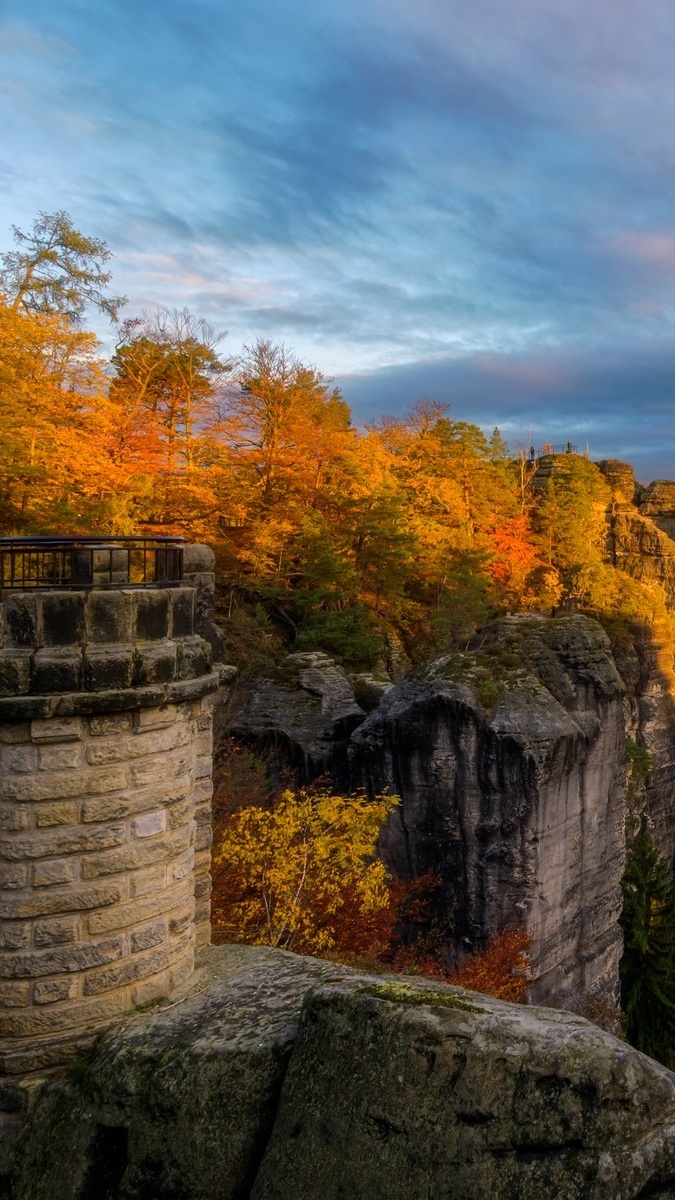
x: 501, y: 970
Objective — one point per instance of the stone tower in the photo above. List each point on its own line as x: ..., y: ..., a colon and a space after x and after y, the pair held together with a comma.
x: 105, y: 783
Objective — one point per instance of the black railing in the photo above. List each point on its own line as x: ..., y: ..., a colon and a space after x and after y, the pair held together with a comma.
x: 90, y: 562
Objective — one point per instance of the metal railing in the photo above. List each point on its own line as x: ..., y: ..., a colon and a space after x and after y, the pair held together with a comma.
x: 28, y: 563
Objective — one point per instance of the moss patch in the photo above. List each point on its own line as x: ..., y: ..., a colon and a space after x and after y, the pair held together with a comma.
x: 403, y: 993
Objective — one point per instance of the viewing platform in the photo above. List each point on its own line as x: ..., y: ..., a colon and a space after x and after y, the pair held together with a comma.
x: 74, y: 562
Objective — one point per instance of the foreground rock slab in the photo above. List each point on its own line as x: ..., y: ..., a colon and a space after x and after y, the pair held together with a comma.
x: 179, y: 1102
x: 294, y: 1079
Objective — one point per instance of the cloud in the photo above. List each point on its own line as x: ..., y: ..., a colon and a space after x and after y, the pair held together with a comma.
x: 619, y: 400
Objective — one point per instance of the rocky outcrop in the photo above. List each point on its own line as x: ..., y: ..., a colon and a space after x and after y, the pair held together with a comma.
x: 307, y: 708
x: 658, y: 502
x: 509, y: 764
x: 293, y: 1079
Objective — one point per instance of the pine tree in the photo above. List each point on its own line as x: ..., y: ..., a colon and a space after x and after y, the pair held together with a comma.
x: 648, y: 965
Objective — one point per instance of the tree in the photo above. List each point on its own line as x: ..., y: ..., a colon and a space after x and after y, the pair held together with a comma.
x: 168, y: 367
x: 57, y: 270
x: 302, y: 873
x: 647, y: 968
x: 51, y: 397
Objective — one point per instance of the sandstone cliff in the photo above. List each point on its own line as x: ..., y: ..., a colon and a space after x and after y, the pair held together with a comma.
x: 293, y: 1079
x: 512, y: 787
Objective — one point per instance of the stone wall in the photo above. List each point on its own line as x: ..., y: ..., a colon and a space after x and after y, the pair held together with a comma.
x: 105, y: 810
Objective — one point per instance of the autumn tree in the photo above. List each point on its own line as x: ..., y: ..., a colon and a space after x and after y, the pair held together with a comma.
x: 56, y: 270
x: 51, y: 393
x: 301, y: 873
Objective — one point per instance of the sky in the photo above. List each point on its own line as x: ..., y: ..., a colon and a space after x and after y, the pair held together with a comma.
x: 471, y: 201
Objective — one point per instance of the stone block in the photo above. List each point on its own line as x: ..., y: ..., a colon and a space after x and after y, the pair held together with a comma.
x: 190, y: 689
x: 61, y: 812
x: 136, y: 854
x: 136, y: 912
x: 198, y: 558
x: 62, y: 618
x: 56, y: 961
x: 156, y: 718
x: 13, y: 875
x: 148, y: 936
x: 56, y: 932
x: 24, y: 708
x: 149, y: 824
x: 203, y: 887
x: 155, y: 662
x: 49, y: 991
x: 154, y: 988
x: 21, y: 620
x: 180, y: 921
x: 36, y: 1023
x: 14, y: 817
x: 55, y: 871
x: 126, y: 972
x: 203, y: 838
x: 60, y: 758
x: 109, y: 617
x: 14, y: 994
x: 92, y: 704
x: 151, y: 615
x: 15, y: 671
x: 169, y: 766
x: 115, y: 808
x: 180, y: 813
x: 62, y: 840
x: 138, y: 745
x: 183, y: 964
x: 204, y: 767
x: 104, y: 726
x: 181, y: 869
x: 56, y: 729
x: 193, y: 657
x: 11, y: 735
x: 182, y: 612
x: 63, y: 785
x: 147, y: 881
x: 72, y: 899
x: 108, y: 667
x: 56, y: 670
x: 15, y: 935
x: 204, y: 742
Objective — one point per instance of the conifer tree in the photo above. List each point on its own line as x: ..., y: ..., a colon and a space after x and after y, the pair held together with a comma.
x: 648, y: 964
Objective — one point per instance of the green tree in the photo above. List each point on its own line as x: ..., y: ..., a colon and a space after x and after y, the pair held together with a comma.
x: 648, y: 964
x: 55, y: 269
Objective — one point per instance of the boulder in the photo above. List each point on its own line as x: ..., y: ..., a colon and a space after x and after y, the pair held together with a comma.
x: 283, y: 1078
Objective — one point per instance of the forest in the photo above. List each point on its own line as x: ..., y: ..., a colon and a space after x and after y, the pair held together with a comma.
x: 399, y: 536
x: 380, y: 544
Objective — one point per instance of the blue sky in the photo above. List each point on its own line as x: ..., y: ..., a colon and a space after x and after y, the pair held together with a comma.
x: 469, y: 200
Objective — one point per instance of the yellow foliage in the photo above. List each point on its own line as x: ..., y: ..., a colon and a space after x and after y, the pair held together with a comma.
x: 297, y: 875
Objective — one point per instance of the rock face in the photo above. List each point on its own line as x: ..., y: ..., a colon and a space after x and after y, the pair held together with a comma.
x: 307, y: 708
x: 512, y: 787
x: 390, y: 1090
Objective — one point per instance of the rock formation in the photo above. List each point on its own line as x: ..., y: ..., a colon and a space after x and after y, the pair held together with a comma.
x: 512, y: 787
x: 294, y: 1079
x: 306, y: 708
